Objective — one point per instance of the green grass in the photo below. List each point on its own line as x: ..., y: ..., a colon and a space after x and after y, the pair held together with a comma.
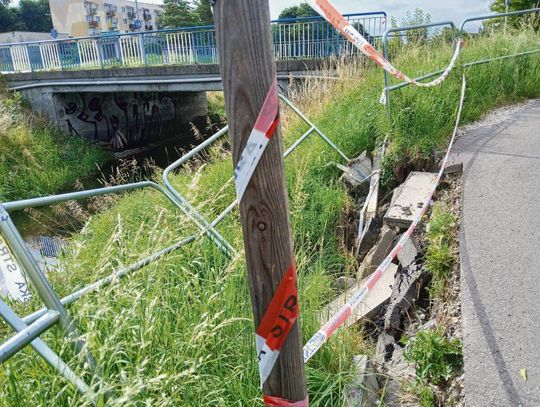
x: 180, y: 331
x: 440, y: 255
x: 436, y: 360
x: 35, y: 157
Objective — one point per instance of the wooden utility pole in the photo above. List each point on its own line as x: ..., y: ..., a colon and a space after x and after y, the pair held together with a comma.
x: 248, y: 71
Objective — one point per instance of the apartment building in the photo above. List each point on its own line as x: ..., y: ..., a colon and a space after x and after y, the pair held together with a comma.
x: 79, y: 18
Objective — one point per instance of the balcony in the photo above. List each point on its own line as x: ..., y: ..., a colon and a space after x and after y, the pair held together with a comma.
x: 148, y: 27
x: 112, y: 23
x: 133, y: 27
x: 111, y: 12
x: 91, y: 8
x: 93, y: 23
x: 131, y: 15
x: 147, y: 15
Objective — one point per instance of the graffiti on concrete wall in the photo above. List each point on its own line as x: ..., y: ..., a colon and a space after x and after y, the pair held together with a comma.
x: 120, y: 119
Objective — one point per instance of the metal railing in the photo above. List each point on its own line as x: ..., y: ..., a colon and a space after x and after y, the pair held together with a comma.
x: 460, y: 33
x: 405, y: 29
x: 301, y: 38
x: 29, y: 328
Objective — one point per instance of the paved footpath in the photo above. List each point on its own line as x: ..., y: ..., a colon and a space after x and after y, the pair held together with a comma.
x: 500, y: 258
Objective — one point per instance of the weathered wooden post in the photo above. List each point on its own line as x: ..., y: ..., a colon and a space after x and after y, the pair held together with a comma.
x: 250, y: 87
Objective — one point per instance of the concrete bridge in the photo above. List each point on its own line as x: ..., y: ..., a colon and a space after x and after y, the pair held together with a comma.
x: 125, y: 89
x: 124, y: 107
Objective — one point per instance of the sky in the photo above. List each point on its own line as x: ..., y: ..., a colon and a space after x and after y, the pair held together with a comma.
x: 440, y: 10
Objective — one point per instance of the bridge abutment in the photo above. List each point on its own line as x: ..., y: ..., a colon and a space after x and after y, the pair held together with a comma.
x: 120, y: 119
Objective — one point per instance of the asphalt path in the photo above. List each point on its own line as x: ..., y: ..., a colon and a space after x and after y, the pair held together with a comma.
x: 500, y: 258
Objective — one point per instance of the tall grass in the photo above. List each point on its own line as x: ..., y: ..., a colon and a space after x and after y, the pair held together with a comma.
x: 179, y: 332
x: 35, y: 157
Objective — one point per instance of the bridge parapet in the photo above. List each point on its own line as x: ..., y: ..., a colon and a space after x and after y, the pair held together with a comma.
x: 301, y: 38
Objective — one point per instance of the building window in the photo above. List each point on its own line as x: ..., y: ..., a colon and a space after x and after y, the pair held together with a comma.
x: 123, y: 9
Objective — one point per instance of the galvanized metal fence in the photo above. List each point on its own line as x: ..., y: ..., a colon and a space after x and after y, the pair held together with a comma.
x: 300, y: 38
x: 388, y: 88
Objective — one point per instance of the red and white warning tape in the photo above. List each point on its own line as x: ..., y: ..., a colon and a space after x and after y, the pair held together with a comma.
x: 315, y: 343
x: 276, y: 324
x: 265, y: 126
x: 270, y: 401
x: 327, y: 10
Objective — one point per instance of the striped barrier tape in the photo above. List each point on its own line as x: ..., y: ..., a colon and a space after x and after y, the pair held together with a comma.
x: 327, y: 10
x: 271, y: 401
x: 276, y: 324
x: 265, y: 126
x: 284, y: 309
x: 328, y: 329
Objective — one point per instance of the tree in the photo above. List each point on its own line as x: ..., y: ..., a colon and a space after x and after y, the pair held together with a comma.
x: 416, y: 17
x: 34, y: 15
x: 7, y: 18
x: 499, y: 6
x: 203, y: 12
x: 177, y: 13
x: 302, y: 10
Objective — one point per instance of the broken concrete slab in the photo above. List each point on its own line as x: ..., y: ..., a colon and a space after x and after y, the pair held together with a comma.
x: 408, y: 254
x: 454, y: 169
x: 409, y: 199
x: 356, y: 173
x: 407, y: 286
x: 378, y: 253
x: 373, y: 301
x: 364, y: 389
x: 370, y: 237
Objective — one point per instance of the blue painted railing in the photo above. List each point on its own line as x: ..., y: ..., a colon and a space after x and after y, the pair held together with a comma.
x: 300, y: 38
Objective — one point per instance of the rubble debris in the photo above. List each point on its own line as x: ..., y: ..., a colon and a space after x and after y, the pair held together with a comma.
x: 408, y: 200
x: 357, y: 171
x: 408, y: 254
x: 454, y: 168
x: 363, y: 391
x: 378, y: 252
x: 345, y: 283
x: 407, y: 286
x: 370, y: 237
x: 372, y: 303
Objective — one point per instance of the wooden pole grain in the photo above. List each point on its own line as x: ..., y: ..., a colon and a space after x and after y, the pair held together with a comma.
x: 248, y: 71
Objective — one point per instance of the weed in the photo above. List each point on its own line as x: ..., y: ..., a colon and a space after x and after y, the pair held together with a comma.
x: 435, y: 357
x: 440, y: 256
x: 35, y: 157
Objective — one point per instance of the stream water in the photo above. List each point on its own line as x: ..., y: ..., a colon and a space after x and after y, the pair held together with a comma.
x: 134, y: 165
